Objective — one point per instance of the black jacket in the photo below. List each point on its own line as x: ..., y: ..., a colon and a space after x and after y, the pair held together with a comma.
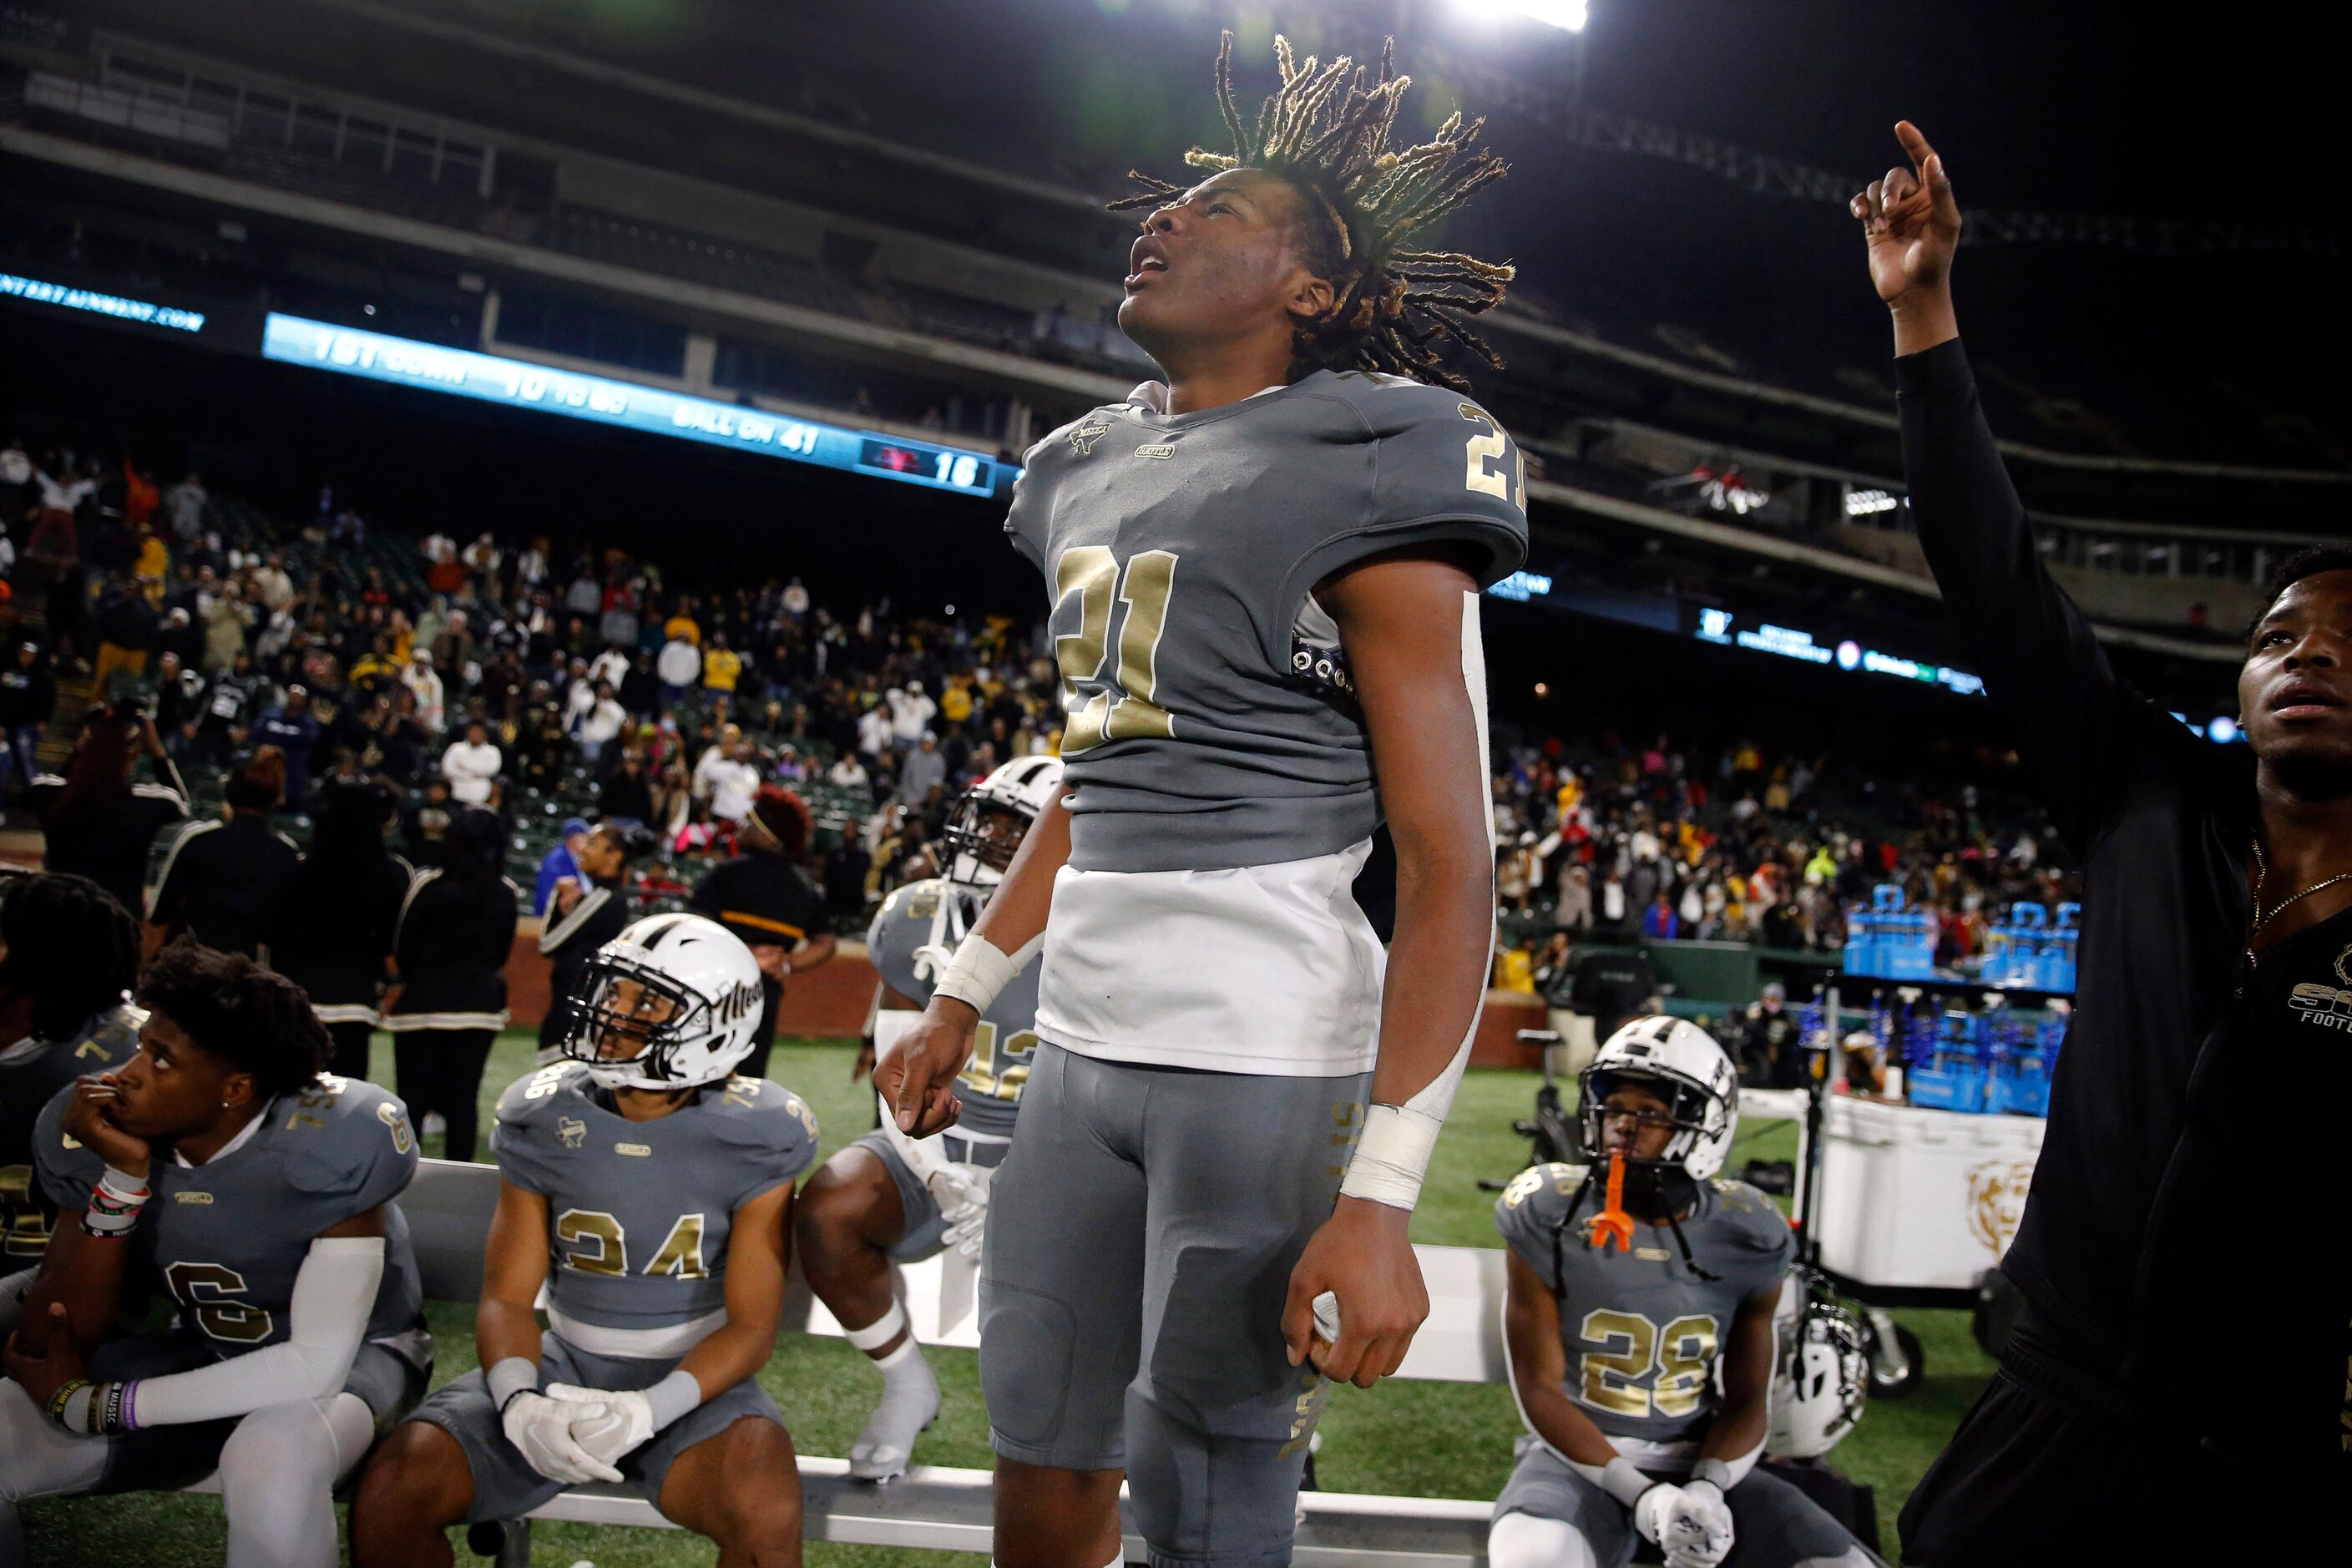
x: 107, y: 843
x: 2191, y: 1147
x: 338, y: 932
x: 27, y: 697
x: 227, y: 883
x: 452, y: 940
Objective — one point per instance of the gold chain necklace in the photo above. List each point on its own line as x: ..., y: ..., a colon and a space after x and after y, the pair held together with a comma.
x: 2261, y: 917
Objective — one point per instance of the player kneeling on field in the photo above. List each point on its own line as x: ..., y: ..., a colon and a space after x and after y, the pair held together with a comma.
x: 651, y: 1193
x: 1630, y: 1278
x: 889, y: 1195
x: 221, y: 1164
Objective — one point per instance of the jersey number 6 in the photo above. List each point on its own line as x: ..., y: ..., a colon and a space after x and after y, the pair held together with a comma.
x: 1093, y: 574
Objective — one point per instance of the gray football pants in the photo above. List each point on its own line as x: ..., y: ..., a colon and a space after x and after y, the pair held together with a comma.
x: 1139, y: 1243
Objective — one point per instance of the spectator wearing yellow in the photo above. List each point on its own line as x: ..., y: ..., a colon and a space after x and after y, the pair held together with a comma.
x: 682, y: 627
x: 722, y: 667
x: 955, y: 703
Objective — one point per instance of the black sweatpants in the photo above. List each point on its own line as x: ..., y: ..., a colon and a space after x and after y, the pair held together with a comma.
x: 350, y: 1059
x: 441, y: 1069
x: 2050, y: 1467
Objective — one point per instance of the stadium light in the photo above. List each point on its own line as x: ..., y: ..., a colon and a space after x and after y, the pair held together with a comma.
x: 1568, y: 15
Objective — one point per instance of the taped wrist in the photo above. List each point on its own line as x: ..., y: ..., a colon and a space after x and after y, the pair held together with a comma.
x: 1392, y: 1156
x: 1715, y: 1473
x: 976, y: 972
x: 509, y: 1376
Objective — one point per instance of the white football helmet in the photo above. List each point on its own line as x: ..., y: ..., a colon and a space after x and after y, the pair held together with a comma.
x: 984, y: 827
x: 1684, y: 1064
x: 1820, y: 1377
x: 710, y: 984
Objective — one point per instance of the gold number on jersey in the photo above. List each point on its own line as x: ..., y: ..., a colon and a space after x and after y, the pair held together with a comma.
x: 1095, y: 575
x: 1484, y: 449
x: 389, y: 1113
x: 1560, y: 1178
x: 999, y: 1067
x: 200, y: 1287
x: 24, y: 1228
x: 1686, y: 1363
x: 681, y: 1254
x: 1611, y: 1374
x: 585, y: 1226
x: 1682, y: 1354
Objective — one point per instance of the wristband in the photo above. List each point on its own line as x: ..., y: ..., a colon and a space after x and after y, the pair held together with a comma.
x: 1620, y: 1480
x: 673, y: 1398
x: 115, y: 1204
x: 976, y: 972
x: 56, y: 1408
x: 1715, y: 1473
x: 509, y: 1376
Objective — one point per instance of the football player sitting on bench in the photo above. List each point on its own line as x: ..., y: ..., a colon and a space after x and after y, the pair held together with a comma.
x: 220, y: 1165
x: 651, y: 1193
x: 1629, y: 1279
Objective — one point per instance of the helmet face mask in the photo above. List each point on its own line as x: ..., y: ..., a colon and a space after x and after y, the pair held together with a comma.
x: 982, y: 837
x: 1822, y: 1379
x: 1683, y: 1067
x: 985, y: 828
x: 672, y: 1002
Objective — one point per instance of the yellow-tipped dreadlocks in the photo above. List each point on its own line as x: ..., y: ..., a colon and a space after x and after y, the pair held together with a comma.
x: 1326, y: 130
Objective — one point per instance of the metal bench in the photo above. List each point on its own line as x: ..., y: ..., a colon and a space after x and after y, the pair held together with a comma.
x: 944, y: 1508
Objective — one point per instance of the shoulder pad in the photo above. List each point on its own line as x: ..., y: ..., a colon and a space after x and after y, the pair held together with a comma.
x: 1538, y: 1197
x: 531, y: 1100
x: 69, y: 1171
x: 346, y: 1138
x: 1750, y: 1221
x: 755, y: 1114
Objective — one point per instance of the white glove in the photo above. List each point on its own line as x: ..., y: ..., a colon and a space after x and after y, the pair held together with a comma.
x: 542, y: 1427
x: 962, y: 1192
x: 1695, y: 1527
x: 1652, y: 1508
x: 610, y: 1425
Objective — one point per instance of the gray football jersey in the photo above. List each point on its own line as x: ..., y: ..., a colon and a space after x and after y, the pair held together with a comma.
x: 1007, y: 1041
x: 639, y: 1213
x: 1202, y: 730
x: 1642, y: 1332
x: 226, y: 1238
x: 31, y: 1074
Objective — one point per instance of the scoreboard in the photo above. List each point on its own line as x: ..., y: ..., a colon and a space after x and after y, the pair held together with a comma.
x: 518, y: 384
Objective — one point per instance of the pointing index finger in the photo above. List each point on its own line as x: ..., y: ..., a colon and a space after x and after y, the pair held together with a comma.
x: 1914, y: 145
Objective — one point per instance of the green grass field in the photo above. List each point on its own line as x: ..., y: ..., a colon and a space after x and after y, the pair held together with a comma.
x: 1425, y: 1439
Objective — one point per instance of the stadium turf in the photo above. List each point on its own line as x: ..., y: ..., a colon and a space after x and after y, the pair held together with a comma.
x: 1428, y: 1439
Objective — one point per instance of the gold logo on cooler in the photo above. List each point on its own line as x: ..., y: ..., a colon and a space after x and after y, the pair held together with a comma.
x: 1997, y: 1201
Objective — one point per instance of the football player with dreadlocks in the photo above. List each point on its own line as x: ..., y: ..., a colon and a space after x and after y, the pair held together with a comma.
x: 1630, y: 1279
x: 646, y: 1191
x: 889, y: 1196
x: 1265, y: 573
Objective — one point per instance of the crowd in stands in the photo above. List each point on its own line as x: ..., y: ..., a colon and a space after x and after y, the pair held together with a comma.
x: 542, y: 684
x: 1660, y: 842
